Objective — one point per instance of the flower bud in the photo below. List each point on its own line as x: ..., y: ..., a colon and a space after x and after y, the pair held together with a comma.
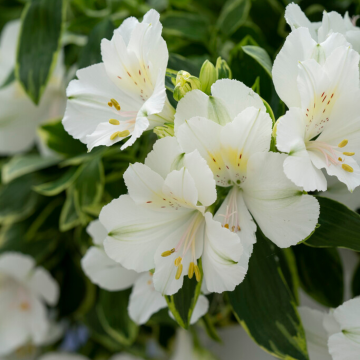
x: 165, y: 130
x: 222, y: 68
x: 208, y: 75
x: 185, y: 82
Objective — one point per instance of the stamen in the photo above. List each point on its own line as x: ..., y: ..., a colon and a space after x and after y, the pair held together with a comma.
x: 340, y: 159
x: 114, y: 135
x: 168, y: 252
x: 114, y: 122
x: 110, y: 103
x: 343, y: 143
x: 115, y: 103
x: 191, y: 270
x: 123, y: 133
x: 347, y: 168
x: 349, y: 153
x: 226, y: 226
x: 179, y: 272
x: 177, y: 261
x: 24, y: 306
x: 197, y: 273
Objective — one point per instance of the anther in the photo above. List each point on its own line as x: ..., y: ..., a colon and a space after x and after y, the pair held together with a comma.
x: 168, y: 252
x: 349, y: 153
x: 114, y: 122
x: 179, y: 272
x: 115, y: 103
x: 340, y: 159
x: 347, y: 168
x: 110, y: 103
x: 226, y: 226
x: 343, y: 143
x: 197, y: 273
x: 114, y: 135
x: 123, y: 133
x: 177, y: 261
x: 191, y: 270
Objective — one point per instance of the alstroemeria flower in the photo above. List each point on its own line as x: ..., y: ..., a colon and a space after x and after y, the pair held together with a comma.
x: 19, y: 116
x: 24, y: 292
x: 232, y: 132
x: 332, y: 22
x: 163, y: 223
x: 325, y: 131
x: 125, y: 95
x: 109, y: 275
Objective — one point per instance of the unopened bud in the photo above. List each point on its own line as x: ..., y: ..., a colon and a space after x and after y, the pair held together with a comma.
x: 208, y: 75
x: 223, y: 69
x: 185, y: 82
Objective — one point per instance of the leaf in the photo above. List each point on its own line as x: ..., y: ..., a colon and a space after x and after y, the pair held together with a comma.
x: 69, y: 217
x: 265, y: 307
x: 90, y: 53
x: 25, y: 164
x: 339, y: 226
x: 56, y: 138
x: 10, y: 79
x: 178, y: 62
x: 261, y: 56
x: 355, y: 285
x: 117, y: 323
x: 170, y: 79
x: 233, y: 14
x: 210, y: 328
x: 321, y: 274
x: 182, y: 303
x: 56, y: 187
x: 39, y: 44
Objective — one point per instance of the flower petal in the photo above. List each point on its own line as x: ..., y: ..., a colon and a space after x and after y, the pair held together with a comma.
x: 200, y: 309
x: 97, y: 232
x: 342, y: 348
x: 16, y: 265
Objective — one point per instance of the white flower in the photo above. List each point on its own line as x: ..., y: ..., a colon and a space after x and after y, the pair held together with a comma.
x: 125, y: 95
x: 325, y: 131
x: 232, y: 132
x: 24, y: 292
x: 332, y: 22
x: 19, y: 116
x: 163, y: 223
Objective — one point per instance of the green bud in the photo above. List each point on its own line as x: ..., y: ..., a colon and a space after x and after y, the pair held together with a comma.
x: 185, y: 82
x: 223, y: 69
x: 165, y: 130
x: 208, y: 75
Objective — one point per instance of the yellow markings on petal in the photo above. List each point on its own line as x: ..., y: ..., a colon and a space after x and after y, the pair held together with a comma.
x: 114, y: 122
x: 123, y: 133
x: 179, y: 271
x: 168, y: 252
x: 197, y: 273
x: 343, y: 143
x: 348, y: 153
x: 347, y: 168
x: 191, y: 270
x: 115, y: 103
x: 177, y: 261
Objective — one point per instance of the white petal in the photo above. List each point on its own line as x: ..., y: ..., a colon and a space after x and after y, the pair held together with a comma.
x: 283, y: 214
x: 316, y: 335
x: 331, y: 22
x: 135, y: 233
x: 97, y: 232
x: 348, y: 315
x: 200, y: 309
x: 353, y: 37
x: 184, y: 346
x: 37, y: 322
x: 144, y: 299
x: 222, y: 251
x: 204, y: 135
x: 343, y: 348
x: 16, y: 265
x: 106, y: 273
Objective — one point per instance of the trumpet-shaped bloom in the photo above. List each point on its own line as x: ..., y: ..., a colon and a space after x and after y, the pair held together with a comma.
x: 325, y: 131
x: 163, y: 223
x: 331, y: 22
x: 19, y: 116
x: 234, y: 139
x: 24, y: 292
x: 125, y: 94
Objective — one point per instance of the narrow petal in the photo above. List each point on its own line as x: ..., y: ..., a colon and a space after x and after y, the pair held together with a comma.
x: 200, y: 309
x: 283, y: 213
x: 43, y: 285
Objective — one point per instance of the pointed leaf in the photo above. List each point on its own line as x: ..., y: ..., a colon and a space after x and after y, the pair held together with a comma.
x: 261, y: 56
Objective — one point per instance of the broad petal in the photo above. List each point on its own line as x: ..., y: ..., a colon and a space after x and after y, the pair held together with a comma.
x: 44, y: 285
x: 106, y: 273
x: 16, y: 265
x: 204, y: 135
x: 331, y: 22
x: 316, y: 335
x: 248, y: 133
x: 97, y: 232
x: 135, y: 232
x: 144, y: 299
x: 353, y: 37
x: 348, y: 316
x: 222, y: 252
x: 283, y: 213
x: 343, y: 348
x: 37, y: 322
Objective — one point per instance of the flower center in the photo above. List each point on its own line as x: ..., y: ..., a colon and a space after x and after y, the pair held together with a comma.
x: 231, y: 216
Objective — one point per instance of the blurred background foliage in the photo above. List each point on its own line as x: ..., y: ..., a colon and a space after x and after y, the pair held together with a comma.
x: 47, y: 203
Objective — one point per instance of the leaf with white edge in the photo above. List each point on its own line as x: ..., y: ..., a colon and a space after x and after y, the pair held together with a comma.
x: 261, y: 56
x: 25, y: 164
x: 265, y: 307
x: 39, y: 45
x: 339, y: 226
x: 69, y: 217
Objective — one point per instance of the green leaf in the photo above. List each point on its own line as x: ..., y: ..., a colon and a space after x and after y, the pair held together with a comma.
x: 321, y: 274
x: 10, y: 79
x: 69, y: 217
x: 170, y: 79
x: 355, y: 285
x: 183, y: 302
x: 261, y: 56
x: 39, y: 44
x: 90, y: 53
x: 178, y: 62
x: 265, y: 307
x: 117, y: 323
x: 339, y: 226
x: 233, y: 14
x: 25, y: 164
x: 56, y: 138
